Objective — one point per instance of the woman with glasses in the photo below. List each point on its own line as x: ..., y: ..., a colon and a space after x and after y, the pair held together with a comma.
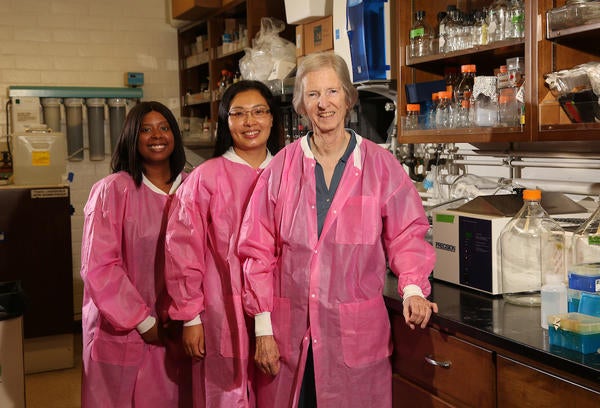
x: 203, y: 273
x: 322, y: 221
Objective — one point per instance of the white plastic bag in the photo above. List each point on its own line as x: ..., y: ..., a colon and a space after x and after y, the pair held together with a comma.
x: 269, y: 53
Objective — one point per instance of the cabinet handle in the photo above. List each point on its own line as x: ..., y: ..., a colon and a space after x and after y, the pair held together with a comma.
x: 433, y: 362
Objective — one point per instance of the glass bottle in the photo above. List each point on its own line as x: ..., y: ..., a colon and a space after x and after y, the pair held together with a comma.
x: 412, y: 116
x: 420, y: 36
x: 442, y: 33
x: 531, y: 244
x: 515, y: 20
x: 585, y: 243
x: 445, y: 112
x: 508, y: 113
x: 480, y: 29
x: 462, y: 115
x: 465, y: 87
x: 430, y: 119
x: 497, y: 20
x: 452, y: 32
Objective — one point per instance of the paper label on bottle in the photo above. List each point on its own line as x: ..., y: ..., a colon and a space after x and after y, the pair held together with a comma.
x: 594, y: 240
x: 417, y: 32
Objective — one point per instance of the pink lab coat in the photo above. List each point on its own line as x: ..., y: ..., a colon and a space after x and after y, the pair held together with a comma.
x: 328, y: 290
x: 121, y: 234
x: 204, y: 276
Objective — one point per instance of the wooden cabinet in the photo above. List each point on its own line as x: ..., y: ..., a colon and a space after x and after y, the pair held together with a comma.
x: 521, y: 386
x: 203, y: 56
x: 439, y: 369
x: 432, y: 368
x: 541, y: 55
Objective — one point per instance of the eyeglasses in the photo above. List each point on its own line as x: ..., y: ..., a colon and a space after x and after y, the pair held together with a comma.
x: 257, y: 113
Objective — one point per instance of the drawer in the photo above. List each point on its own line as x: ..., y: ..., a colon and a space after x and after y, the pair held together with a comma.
x: 405, y: 393
x: 521, y: 385
x: 464, y: 374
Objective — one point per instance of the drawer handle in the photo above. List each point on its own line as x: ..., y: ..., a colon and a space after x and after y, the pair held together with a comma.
x: 433, y: 362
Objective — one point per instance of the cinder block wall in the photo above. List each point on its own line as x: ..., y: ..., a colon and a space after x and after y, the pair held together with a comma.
x: 87, y: 43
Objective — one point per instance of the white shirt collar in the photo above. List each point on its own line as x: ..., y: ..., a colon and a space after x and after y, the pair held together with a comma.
x: 231, y: 155
x: 152, y: 187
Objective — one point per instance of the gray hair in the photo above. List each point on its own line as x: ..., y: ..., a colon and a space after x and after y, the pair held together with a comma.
x: 315, y: 62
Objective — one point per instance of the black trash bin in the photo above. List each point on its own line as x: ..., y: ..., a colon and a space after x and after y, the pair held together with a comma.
x: 12, y: 379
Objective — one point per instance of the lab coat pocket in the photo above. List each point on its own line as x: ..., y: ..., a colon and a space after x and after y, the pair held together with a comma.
x: 358, y: 221
x: 365, y: 330
x: 117, y: 347
x: 280, y: 319
x: 234, y: 335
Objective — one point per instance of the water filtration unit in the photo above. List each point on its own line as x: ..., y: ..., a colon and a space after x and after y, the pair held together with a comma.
x: 368, y: 23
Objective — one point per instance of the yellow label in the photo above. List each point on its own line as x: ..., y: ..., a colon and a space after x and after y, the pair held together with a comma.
x: 41, y: 158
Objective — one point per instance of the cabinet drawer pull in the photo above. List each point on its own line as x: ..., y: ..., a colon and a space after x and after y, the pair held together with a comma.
x: 433, y: 362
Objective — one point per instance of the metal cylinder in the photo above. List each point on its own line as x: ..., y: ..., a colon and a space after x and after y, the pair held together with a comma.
x: 116, y: 119
x: 95, y: 121
x: 51, y: 107
x: 74, y: 128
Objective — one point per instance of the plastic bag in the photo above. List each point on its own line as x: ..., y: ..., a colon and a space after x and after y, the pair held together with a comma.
x: 271, y: 57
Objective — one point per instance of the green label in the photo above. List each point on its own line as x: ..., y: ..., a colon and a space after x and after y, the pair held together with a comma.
x: 417, y: 32
x: 447, y: 218
x: 594, y: 240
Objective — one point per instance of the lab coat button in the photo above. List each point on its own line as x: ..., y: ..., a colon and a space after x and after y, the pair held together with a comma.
x: 315, y: 341
x: 313, y: 296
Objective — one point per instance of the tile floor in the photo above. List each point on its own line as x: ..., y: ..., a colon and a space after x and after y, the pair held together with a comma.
x: 56, y: 389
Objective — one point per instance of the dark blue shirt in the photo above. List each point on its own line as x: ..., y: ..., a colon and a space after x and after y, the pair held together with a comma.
x: 325, y: 195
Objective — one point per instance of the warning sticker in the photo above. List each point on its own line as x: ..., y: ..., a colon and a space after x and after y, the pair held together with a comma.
x: 40, y: 158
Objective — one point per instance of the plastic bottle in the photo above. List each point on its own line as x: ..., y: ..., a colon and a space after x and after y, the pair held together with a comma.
x: 531, y: 243
x: 553, y: 296
x: 412, y: 116
x: 420, y: 36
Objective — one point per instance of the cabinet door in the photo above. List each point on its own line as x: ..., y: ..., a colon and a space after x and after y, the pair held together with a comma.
x: 567, y: 40
x: 452, y: 369
x: 487, y: 59
x: 522, y: 386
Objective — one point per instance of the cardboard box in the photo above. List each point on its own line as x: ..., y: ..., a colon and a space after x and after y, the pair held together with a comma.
x: 193, y: 9
x: 299, y: 40
x: 318, y: 35
x: 305, y: 11
x: 550, y: 111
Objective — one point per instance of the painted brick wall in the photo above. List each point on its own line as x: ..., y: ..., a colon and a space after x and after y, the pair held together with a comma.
x: 87, y: 43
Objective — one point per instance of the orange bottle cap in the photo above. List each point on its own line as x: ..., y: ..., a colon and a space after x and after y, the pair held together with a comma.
x: 532, y: 195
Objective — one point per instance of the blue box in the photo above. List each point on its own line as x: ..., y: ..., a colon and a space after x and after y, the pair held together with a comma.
x: 421, y: 91
x: 575, y: 331
x: 586, y: 283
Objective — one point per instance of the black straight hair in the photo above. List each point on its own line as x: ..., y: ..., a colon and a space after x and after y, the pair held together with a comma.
x: 126, y: 156
x: 224, y: 139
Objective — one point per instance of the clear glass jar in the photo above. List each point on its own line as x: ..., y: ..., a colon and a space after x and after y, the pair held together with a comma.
x: 420, y: 36
x: 530, y: 244
x: 585, y: 243
x: 484, y: 102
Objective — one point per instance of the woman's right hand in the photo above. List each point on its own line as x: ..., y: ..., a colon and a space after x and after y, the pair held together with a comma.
x: 267, y: 355
x: 193, y: 340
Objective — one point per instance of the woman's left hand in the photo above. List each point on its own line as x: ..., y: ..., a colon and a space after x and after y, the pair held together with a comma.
x: 417, y: 311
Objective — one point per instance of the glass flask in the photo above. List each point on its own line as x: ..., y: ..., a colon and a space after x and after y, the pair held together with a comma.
x: 585, y: 243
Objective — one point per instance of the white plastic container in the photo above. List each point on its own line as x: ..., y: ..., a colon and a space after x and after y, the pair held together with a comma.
x: 305, y: 11
x: 39, y: 158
